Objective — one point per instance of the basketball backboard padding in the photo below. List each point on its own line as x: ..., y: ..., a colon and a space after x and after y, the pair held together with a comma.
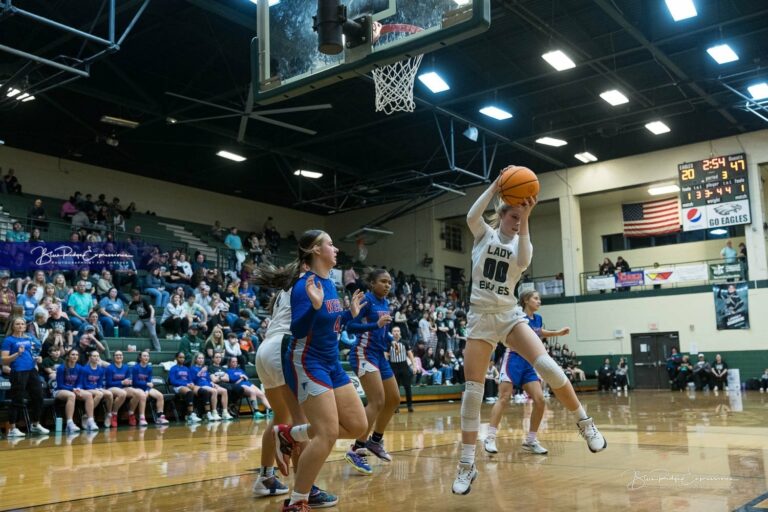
x: 297, y: 67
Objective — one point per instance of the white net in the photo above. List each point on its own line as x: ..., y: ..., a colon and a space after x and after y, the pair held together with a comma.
x: 394, y: 85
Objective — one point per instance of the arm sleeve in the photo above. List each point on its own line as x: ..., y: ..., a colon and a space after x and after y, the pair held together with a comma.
x: 475, y: 221
x: 302, y: 312
x: 524, y: 251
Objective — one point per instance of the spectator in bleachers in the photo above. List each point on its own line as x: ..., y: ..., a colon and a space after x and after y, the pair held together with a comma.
x: 202, y: 380
x: 58, y: 322
x: 203, y: 297
x: 155, y: 287
x: 214, y: 280
x: 577, y: 372
x: 174, y: 320
x: 68, y: 382
x: 141, y: 379
x: 218, y: 232
x: 68, y: 209
x: 728, y: 253
x: 38, y: 328
x: 89, y: 280
x: 7, y: 300
x: 214, y: 344
x: 11, y: 184
x: 185, y: 265
x: 17, y: 234
x: 220, y: 317
x: 430, y: 368
x: 25, y: 382
x: 191, y: 343
x: 181, y: 379
x: 112, y: 314
x: 55, y: 339
x: 247, y: 339
x: 242, y: 385
x: 232, y: 349
x: 104, y: 284
x: 35, y: 236
x: 90, y: 339
x: 51, y: 363
x: 125, y: 272
x: 271, y: 234
x: 36, y: 215
x: 62, y: 291
x: 200, y: 262
x: 720, y: 373
x: 28, y: 301
x: 177, y: 278
x: 253, y: 246
x: 129, y: 211
x: 605, y: 376
x: 234, y: 243
x: 146, y: 317
x: 194, y: 313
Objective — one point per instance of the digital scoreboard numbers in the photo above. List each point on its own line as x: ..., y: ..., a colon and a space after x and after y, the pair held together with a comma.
x: 714, y: 192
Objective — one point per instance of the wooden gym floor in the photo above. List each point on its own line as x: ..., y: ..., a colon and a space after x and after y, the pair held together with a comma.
x: 666, y: 452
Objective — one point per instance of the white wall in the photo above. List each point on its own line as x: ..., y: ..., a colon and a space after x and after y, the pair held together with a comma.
x: 54, y: 177
x: 692, y: 315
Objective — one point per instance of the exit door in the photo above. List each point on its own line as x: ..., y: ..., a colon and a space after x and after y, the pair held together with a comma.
x: 649, y: 354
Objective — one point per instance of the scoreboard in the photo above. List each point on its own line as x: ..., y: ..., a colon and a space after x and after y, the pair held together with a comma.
x: 714, y: 192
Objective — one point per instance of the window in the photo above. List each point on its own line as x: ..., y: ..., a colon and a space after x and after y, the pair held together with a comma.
x: 618, y: 242
x: 453, y: 237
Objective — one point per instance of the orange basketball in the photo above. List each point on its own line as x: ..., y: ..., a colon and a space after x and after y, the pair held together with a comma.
x: 516, y: 184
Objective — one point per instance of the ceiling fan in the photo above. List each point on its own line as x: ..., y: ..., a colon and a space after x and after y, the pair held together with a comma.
x: 248, y: 113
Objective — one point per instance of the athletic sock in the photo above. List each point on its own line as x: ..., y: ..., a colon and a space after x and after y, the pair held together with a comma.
x: 467, y: 454
x: 530, y: 437
x: 376, y: 437
x: 266, y: 471
x: 581, y: 413
x: 300, y: 433
x: 297, y: 497
x: 492, y: 431
x: 359, y: 444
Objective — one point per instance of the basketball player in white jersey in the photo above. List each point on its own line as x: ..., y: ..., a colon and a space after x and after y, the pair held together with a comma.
x: 269, y: 368
x: 501, y: 252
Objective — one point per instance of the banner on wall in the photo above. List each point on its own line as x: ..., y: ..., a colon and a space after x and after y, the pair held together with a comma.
x: 677, y: 273
x: 720, y: 271
x: 731, y: 305
x: 550, y: 287
x: 595, y: 283
x: 633, y: 278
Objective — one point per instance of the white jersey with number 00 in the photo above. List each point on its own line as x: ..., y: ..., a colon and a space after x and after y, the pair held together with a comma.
x: 280, y: 325
x: 495, y: 272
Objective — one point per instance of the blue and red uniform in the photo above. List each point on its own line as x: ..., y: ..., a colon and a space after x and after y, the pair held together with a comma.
x: 67, y: 379
x: 514, y: 368
x: 91, y: 378
x: 115, y: 376
x: 368, y: 353
x: 311, y: 364
x: 141, y: 376
x: 200, y: 376
x: 235, y: 374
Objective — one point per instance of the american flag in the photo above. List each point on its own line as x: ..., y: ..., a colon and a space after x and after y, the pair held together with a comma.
x: 651, y: 218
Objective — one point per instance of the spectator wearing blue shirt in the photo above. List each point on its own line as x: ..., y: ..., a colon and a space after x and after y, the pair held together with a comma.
x: 80, y: 303
x: 28, y: 301
x: 16, y: 353
x: 141, y: 377
x: 233, y: 242
x: 112, y: 314
x: 180, y: 378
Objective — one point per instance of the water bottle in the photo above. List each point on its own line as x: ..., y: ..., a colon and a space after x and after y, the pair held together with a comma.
x: 116, y: 332
x: 58, y: 424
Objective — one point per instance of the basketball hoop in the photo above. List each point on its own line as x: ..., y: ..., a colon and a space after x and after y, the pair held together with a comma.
x: 394, y: 82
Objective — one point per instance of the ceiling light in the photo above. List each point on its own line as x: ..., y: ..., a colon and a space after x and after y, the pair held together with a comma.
x: 28, y: 98
x: 495, y: 112
x: 758, y: 91
x: 171, y: 120
x: 657, y: 128
x: 22, y: 96
x: 271, y: 2
x: 231, y: 156
x: 658, y: 190
x: 549, y: 141
x: 449, y: 189
x: 308, y: 174
x: 586, y: 157
x: 462, y: 2
x: 558, y: 60
x: 722, y: 54
x: 434, y: 81
x: 12, y: 93
x: 119, y: 121
x: 614, y: 97
x: 681, y: 9
x: 718, y: 232
x: 472, y: 133
x: 2, y: 142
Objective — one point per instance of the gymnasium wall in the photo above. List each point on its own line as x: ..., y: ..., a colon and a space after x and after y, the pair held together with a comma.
x: 54, y: 177
x: 593, y: 324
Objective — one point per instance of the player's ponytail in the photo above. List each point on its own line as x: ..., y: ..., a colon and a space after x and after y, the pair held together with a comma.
x: 494, y: 219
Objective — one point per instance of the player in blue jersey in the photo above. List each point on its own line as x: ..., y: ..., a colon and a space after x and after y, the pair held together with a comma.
x: 68, y: 390
x: 117, y: 379
x: 242, y: 384
x: 372, y: 367
x: 141, y: 379
x: 92, y: 380
x: 204, y: 387
x: 313, y: 370
x: 516, y: 371
x: 181, y: 379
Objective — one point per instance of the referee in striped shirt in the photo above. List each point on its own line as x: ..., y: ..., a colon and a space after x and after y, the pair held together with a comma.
x: 400, y: 356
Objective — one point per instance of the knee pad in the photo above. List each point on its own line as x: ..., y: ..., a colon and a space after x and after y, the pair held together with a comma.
x: 470, y: 406
x: 550, y: 371
x: 205, y: 395
x: 190, y: 397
